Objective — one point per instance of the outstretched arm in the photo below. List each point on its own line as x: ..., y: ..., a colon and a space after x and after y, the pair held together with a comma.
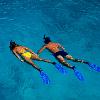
x: 39, y: 51
x: 60, y: 46
x: 17, y: 56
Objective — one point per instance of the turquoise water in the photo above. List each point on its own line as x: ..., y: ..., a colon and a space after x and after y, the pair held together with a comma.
x: 73, y: 23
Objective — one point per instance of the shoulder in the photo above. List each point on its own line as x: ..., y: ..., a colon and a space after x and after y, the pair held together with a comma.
x: 57, y: 44
x: 14, y: 50
x: 23, y: 47
x: 54, y: 43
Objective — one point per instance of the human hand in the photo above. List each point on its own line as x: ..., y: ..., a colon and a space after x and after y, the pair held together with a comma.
x: 22, y: 60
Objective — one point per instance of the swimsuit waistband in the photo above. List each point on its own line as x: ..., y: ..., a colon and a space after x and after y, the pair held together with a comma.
x: 61, y: 52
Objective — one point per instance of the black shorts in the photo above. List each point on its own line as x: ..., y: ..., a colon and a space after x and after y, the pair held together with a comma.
x: 62, y: 53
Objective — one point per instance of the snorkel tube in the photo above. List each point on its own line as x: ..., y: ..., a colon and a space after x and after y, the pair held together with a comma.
x: 46, y: 39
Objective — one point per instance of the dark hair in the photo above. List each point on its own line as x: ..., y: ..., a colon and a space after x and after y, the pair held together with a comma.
x: 46, y: 39
x: 12, y: 45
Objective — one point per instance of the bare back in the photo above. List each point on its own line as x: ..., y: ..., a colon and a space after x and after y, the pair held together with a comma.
x: 19, y: 49
x: 53, y: 47
x: 25, y: 52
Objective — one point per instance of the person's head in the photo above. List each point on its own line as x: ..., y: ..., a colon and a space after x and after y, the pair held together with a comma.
x: 12, y: 45
x: 46, y: 39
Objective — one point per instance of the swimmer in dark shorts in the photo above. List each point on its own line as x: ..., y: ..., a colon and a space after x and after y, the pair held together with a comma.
x: 59, y: 52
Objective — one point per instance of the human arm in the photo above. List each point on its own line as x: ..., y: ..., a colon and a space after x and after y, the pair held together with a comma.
x: 39, y: 51
x: 60, y: 46
x: 14, y: 52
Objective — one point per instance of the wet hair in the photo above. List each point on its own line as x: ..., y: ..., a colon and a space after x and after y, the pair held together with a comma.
x: 46, y: 39
x: 12, y: 45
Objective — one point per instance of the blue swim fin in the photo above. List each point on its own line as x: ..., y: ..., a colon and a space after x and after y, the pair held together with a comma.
x: 44, y: 78
x: 94, y: 67
x: 60, y: 68
x: 78, y: 75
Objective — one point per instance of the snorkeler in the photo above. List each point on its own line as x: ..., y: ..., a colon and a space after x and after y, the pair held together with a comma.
x: 59, y: 52
x: 27, y: 55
